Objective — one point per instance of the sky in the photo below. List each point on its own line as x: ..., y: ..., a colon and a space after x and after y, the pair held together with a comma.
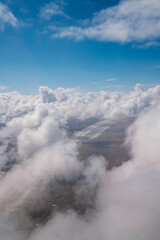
x: 90, y: 45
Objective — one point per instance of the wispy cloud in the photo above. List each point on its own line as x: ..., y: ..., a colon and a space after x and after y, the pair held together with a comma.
x: 148, y: 45
x: 2, y: 87
x: 93, y: 83
x: 113, y: 86
x: 7, y: 17
x: 52, y: 9
x: 111, y: 79
x: 129, y: 21
x: 158, y: 66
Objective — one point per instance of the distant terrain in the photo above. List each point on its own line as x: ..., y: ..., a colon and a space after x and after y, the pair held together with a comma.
x: 103, y: 138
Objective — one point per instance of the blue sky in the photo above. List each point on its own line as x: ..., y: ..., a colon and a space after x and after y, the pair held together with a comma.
x: 93, y: 45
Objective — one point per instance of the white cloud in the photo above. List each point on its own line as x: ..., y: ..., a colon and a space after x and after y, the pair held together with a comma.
x: 129, y: 21
x: 52, y: 9
x: 6, y: 16
x: 66, y: 103
x: 111, y: 79
x: 112, y: 86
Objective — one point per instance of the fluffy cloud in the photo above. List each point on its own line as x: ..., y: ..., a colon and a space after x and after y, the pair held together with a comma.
x: 6, y: 16
x: 68, y: 103
x: 129, y: 21
x: 37, y: 154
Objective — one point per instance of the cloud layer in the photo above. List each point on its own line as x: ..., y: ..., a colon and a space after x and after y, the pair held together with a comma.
x: 36, y: 153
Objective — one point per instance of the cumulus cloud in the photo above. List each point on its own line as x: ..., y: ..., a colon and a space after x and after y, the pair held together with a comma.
x: 6, y: 16
x: 52, y: 9
x: 67, y: 103
x: 37, y: 156
x: 129, y: 21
